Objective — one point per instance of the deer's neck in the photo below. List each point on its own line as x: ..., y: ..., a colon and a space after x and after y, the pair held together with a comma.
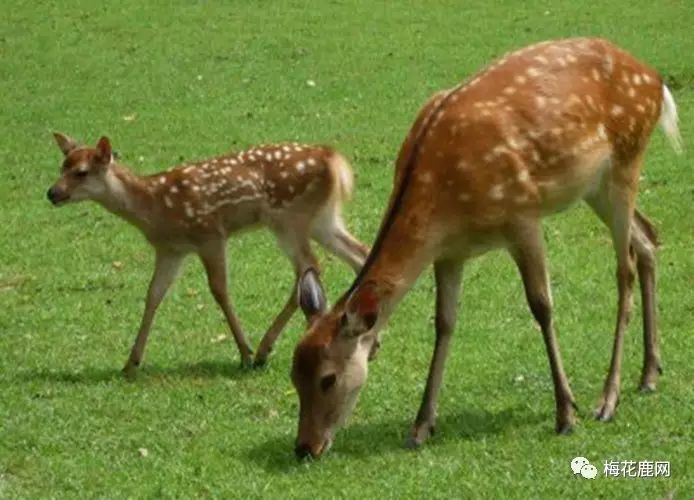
x: 405, y: 251
x: 127, y: 196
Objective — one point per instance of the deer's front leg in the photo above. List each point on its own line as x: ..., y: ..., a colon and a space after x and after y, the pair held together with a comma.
x: 165, y: 270
x: 268, y: 341
x: 448, y: 275
x: 213, y: 257
x: 527, y: 249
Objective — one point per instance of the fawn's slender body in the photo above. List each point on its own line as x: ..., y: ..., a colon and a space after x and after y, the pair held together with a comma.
x: 484, y: 162
x: 296, y: 191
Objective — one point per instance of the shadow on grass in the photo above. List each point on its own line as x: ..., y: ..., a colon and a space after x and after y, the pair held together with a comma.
x: 148, y: 373
x: 386, y: 437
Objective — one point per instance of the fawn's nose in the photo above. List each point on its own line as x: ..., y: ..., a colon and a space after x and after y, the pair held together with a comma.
x: 302, y: 451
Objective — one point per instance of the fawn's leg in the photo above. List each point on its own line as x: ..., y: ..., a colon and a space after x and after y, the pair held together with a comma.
x: 297, y: 248
x: 448, y: 277
x: 214, y: 259
x: 527, y: 249
x: 166, y: 268
x: 330, y: 231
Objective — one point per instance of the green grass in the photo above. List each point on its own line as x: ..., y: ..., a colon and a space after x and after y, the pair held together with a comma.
x: 204, y: 77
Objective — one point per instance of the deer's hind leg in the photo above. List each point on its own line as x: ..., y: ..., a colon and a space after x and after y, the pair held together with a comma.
x: 644, y: 240
x: 613, y: 202
x: 295, y: 243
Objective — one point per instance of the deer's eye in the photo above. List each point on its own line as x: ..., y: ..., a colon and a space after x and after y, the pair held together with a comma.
x: 327, y: 382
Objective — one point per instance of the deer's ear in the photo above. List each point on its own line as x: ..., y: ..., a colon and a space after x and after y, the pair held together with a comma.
x: 361, y: 313
x: 311, y: 295
x: 65, y: 143
x: 104, y: 153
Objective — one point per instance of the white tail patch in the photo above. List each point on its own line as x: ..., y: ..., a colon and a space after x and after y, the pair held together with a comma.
x: 342, y: 176
x: 669, y: 120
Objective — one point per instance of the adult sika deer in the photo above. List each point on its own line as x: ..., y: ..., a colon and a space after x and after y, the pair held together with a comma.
x: 526, y: 137
x: 296, y: 191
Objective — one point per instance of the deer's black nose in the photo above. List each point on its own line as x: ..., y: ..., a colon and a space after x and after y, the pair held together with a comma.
x: 302, y: 451
x: 51, y: 195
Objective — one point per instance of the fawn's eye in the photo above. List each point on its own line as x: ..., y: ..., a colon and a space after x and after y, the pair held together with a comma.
x: 327, y: 382
x: 81, y: 173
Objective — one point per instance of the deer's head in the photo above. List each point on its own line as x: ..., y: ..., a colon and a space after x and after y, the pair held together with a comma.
x: 331, y: 361
x: 83, y: 172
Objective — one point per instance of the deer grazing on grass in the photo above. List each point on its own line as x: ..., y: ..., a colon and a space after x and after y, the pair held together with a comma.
x: 295, y: 190
x: 484, y: 162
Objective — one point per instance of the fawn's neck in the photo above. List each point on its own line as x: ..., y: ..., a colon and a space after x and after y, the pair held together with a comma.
x: 127, y: 196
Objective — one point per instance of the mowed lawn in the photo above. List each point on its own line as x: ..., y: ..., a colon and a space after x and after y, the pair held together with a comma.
x: 194, y: 79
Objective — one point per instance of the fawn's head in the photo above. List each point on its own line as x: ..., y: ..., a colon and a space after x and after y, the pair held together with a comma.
x: 330, y: 363
x: 83, y: 173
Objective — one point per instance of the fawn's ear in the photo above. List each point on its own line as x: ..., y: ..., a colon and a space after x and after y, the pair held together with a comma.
x: 65, y: 143
x: 362, y: 310
x: 311, y: 295
x: 104, y: 153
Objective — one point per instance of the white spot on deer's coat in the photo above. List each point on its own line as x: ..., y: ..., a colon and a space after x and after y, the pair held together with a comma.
x: 640, y: 108
x: 162, y: 180
x: 496, y: 192
x: 523, y: 176
x: 509, y: 90
x: 300, y: 166
x: 425, y: 177
x: 311, y: 161
x: 616, y: 110
x: 464, y: 197
x: 168, y: 202
x: 532, y: 71
x: 188, y: 210
x: 595, y: 74
x: 636, y: 79
x: 520, y: 79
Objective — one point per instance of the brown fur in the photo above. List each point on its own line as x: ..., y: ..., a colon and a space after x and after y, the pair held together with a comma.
x: 531, y: 134
x: 295, y: 190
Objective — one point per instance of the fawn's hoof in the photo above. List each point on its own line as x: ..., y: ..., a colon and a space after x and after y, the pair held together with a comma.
x: 130, y: 369
x: 260, y: 360
x: 247, y: 360
x: 420, y: 433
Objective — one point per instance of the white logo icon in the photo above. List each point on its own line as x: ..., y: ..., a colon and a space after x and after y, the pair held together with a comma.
x: 581, y: 465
